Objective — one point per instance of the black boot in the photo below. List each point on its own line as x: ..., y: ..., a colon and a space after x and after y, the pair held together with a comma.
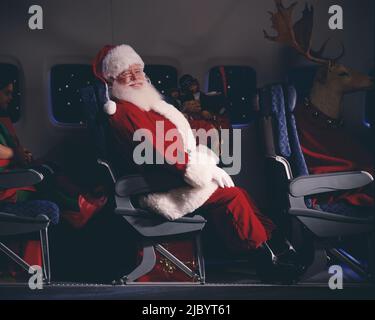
x: 278, y: 267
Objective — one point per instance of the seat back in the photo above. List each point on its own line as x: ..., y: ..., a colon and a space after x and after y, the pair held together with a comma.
x: 370, y: 102
x: 302, y: 78
x: 93, y: 98
x: 101, y: 136
x: 284, y: 157
x: 277, y: 103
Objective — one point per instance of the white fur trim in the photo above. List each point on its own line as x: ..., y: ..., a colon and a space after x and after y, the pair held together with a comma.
x: 177, y: 118
x: 178, y: 202
x: 119, y: 59
x: 201, y: 166
x: 202, y: 160
x: 199, y: 172
x: 110, y: 107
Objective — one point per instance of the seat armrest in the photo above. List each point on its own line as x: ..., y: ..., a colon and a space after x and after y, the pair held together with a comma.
x: 312, y: 213
x: 329, y: 182
x: 44, y: 169
x: 20, y: 178
x: 139, y: 213
x: 137, y: 184
x: 8, y: 217
x: 108, y: 167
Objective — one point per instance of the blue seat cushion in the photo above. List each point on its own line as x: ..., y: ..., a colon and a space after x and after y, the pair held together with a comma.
x: 348, y: 210
x: 32, y: 209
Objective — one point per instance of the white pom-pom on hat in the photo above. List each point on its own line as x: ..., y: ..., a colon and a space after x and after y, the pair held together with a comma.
x: 110, y: 106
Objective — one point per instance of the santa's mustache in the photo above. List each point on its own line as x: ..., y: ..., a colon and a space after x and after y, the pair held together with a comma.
x: 144, y: 96
x: 136, y: 82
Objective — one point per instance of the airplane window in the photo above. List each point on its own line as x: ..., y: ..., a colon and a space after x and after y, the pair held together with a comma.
x: 163, y: 77
x: 238, y: 84
x: 14, y: 108
x: 66, y: 81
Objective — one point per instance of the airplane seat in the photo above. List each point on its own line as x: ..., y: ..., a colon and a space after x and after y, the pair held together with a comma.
x: 155, y: 233
x: 27, y: 217
x: 370, y: 102
x: 320, y: 227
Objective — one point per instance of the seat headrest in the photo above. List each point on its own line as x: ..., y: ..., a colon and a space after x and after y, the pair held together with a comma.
x: 265, y: 101
x: 93, y: 98
x: 290, y: 97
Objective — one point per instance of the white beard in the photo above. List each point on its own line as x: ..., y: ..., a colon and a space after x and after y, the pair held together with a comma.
x: 144, y: 97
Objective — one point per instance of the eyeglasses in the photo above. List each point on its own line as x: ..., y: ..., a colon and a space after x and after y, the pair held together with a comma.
x: 130, y: 75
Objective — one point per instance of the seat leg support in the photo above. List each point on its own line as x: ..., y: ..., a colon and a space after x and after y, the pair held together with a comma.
x: 45, y: 255
x: 16, y: 258
x: 178, y: 263
x: 356, y: 267
x: 147, y: 264
x: 319, y: 264
x: 201, y: 265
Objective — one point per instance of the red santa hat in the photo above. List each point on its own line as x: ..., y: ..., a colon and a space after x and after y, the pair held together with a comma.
x: 109, y: 63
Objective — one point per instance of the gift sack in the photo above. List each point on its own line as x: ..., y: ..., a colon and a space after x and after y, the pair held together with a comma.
x: 167, y: 271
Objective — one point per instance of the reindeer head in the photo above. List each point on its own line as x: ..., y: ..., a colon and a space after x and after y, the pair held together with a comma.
x: 343, y: 79
x: 299, y: 36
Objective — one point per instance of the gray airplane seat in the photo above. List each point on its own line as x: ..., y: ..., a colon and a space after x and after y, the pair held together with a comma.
x: 20, y: 220
x: 318, y: 230
x: 163, y: 242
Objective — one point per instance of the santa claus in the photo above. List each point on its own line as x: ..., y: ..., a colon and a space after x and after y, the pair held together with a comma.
x: 135, y: 104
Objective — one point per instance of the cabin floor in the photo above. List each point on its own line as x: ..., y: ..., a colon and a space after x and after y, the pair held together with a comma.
x: 236, y: 282
x: 228, y: 277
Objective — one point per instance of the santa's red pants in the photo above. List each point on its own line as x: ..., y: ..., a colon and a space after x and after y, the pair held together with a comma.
x: 236, y: 217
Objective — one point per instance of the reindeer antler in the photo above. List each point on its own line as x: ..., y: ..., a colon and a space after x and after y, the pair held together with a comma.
x: 297, y: 36
x: 320, y: 52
